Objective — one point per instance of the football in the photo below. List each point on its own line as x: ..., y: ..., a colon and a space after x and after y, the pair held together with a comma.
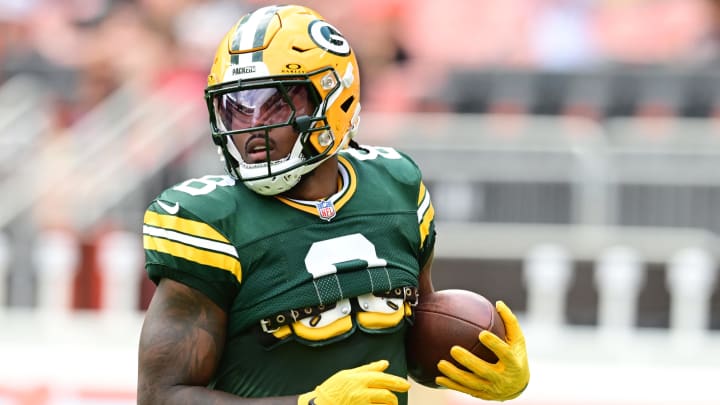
x: 444, y: 319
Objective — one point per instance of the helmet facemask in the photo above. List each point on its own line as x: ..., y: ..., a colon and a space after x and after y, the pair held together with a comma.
x: 258, y: 107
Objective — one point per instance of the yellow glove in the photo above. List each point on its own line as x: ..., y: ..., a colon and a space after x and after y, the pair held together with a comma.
x: 501, y: 381
x: 362, y: 385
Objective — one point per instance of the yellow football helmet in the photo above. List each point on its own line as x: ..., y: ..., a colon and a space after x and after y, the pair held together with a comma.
x: 270, y: 56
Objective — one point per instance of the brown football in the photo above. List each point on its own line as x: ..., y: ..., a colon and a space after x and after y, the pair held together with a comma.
x: 446, y: 318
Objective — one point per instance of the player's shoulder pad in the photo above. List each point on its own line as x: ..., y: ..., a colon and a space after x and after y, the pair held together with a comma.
x: 387, y: 159
x: 207, y: 198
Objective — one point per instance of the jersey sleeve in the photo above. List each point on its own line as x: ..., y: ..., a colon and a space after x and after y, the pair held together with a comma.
x: 184, y: 248
x: 425, y: 209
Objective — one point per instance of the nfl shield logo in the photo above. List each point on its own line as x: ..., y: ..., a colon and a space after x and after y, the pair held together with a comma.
x: 326, y: 210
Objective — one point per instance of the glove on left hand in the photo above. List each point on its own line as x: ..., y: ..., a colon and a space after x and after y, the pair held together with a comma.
x: 501, y: 381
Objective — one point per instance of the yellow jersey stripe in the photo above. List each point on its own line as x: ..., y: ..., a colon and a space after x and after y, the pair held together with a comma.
x: 191, y: 240
x: 346, y: 189
x: 425, y: 212
x: 425, y: 224
x: 352, y: 183
x: 193, y: 254
x: 423, y: 202
x: 183, y: 225
x: 310, y: 209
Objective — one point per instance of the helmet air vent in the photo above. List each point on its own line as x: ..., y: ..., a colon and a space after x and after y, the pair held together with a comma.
x: 347, y: 103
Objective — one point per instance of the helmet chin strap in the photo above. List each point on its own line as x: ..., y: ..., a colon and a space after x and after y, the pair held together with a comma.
x: 276, y: 184
x: 271, y: 184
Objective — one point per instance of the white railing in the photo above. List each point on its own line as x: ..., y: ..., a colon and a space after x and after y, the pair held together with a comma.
x: 83, y: 353
x: 96, y: 350
x: 103, y: 157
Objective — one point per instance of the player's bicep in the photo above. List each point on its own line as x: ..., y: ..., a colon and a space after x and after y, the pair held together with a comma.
x: 181, y: 340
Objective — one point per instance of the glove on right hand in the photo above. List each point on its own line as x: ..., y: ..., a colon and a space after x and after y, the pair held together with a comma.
x: 367, y: 384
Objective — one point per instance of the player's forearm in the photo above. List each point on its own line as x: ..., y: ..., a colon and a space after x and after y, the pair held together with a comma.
x: 191, y: 395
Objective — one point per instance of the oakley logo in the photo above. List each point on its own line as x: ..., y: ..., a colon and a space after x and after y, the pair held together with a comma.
x: 329, y: 38
x: 293, y: 68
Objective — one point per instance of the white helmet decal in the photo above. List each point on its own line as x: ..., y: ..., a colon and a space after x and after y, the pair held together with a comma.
x: 329, y: 38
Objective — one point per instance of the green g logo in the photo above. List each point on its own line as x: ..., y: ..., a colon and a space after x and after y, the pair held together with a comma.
x: 329, y: 38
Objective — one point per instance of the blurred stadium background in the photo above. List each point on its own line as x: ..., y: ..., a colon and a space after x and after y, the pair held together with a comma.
x: 572, y: 148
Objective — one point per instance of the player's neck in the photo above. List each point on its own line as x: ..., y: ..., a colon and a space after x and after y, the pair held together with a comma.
x: 319, y: 184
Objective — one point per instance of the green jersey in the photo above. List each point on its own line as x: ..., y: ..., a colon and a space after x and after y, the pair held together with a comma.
x: 310, y: 287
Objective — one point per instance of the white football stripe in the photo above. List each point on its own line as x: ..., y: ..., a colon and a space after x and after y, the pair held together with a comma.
x: 249, y: 29
x: 191, y: 240
x: 423, y: 206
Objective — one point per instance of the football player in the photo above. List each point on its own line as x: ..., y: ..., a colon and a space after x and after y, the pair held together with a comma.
x: 292, y: 279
